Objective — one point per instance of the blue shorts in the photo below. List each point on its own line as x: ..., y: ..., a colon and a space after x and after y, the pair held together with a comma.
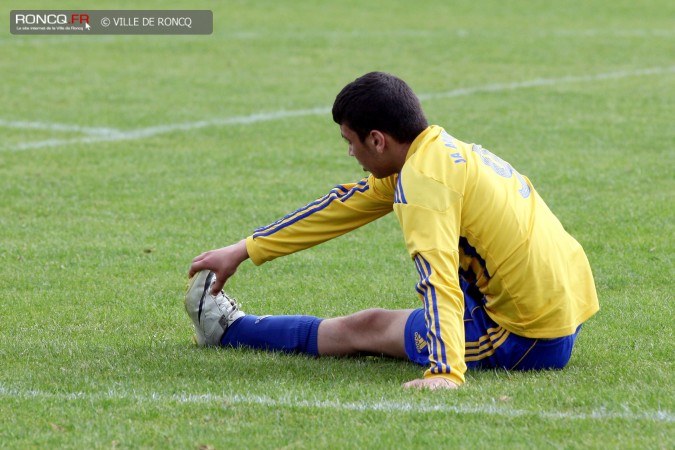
x: 488, y: 345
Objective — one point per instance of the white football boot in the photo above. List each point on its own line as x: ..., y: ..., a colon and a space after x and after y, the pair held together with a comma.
x: 210, y: 315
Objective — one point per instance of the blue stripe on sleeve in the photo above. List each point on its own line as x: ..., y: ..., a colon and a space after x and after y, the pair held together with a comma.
x: 338, y: 190
x: 399, y: 196
x: 288, y: 216
x: 422, y: 288
x: 337, y: 193
x: 431, y: 301
x: 361, y: 186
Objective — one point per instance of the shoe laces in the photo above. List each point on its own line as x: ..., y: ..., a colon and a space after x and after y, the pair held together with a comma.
x: 231, y: 304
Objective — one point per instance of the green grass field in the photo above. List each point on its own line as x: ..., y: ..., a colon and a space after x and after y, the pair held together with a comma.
x: 123, y: 157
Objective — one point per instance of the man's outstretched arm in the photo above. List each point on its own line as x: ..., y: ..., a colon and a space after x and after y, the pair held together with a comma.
x: 343, y: 209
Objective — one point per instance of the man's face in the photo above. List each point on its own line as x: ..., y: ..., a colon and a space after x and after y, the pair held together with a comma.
x: 366, y: 153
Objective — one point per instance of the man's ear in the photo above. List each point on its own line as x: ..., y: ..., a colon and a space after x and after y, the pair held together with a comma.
x: 378, y: 140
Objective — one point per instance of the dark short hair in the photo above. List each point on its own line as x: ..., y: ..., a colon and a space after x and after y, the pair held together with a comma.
x: 383, y: 102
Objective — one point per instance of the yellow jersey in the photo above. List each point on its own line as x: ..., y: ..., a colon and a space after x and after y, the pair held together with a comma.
x: 463, y: 212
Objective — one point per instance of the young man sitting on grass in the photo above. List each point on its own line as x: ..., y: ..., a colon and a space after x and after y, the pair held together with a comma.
x: 502, y: 283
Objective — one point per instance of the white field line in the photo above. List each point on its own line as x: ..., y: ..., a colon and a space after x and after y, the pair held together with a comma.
x: 140, y: 133
x: 292, y: 402
x: 540, y: 82
x: 57, y: 127
x: 93, y: 135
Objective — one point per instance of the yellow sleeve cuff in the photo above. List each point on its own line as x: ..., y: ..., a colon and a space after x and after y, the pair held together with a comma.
x: 254, y: 251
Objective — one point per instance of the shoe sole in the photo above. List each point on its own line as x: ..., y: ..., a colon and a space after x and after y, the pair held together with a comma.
x: 207, y: 284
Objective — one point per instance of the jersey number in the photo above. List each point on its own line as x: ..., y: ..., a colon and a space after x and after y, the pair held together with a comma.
x: 501, y: 168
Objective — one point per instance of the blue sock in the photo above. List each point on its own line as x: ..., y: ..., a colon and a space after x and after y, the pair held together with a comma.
x: 291, y: 334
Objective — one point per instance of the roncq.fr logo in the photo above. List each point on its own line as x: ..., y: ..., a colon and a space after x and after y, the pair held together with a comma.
x: 51, y: 19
